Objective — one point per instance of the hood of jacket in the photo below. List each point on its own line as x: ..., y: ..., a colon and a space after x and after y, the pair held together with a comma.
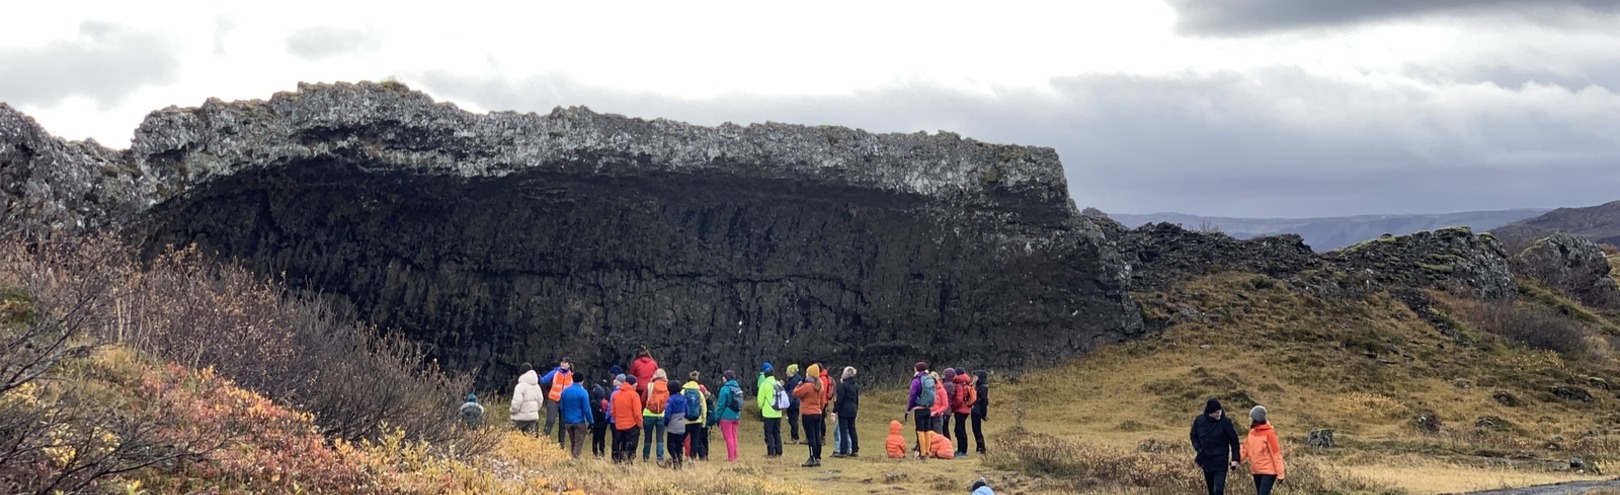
x: 894, y: 427
x: 529, y: 378
x: 962, y: 380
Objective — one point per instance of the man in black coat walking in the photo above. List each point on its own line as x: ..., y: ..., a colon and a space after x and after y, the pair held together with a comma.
x: 1216, y: 442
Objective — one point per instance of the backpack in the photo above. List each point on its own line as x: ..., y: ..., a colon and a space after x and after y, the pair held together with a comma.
x: 780, y: 401
x: 694, y: 401
x: 925, y: 396
x: 736, y: 399
x: 657, y: 397
x: 963, y: 398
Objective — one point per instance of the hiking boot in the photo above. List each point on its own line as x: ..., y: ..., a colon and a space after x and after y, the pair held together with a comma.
x: 839, y: 454
x: 853, y: 454
x: 961, y: 454
x: 810, y: 463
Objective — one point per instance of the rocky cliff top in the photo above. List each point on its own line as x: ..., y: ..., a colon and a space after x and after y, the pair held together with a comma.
x: 396, y: 127
x: 387, y: 126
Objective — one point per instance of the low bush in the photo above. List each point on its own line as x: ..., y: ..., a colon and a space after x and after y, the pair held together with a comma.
x: 1537, y: 327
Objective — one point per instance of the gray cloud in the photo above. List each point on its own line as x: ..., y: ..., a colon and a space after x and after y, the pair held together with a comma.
x: 1273, y: 143
x: 318, y: 43
x: 105, y: 63
x: 1242, y: 17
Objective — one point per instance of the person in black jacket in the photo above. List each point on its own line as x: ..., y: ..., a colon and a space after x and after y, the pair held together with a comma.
x: 599, y: 422
x: 847, y: 404
x: 793, y: 381
x: 981, y: 408
x: 1216, y: 442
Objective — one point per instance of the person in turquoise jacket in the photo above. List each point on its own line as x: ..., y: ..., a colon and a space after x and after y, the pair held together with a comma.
x: 764, y: 396
x: 727, y: 414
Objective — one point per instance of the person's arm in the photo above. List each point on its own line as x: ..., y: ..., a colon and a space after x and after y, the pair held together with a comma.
x: 911, y: 399
x: 1192, y: 434
x: 1233, y: 444
x: 1276, y: 455
x: 549, y: 375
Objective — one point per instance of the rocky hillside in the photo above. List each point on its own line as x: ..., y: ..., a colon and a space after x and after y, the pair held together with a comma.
x: 1599, y: 223
x: 505, y: 237
x: 502, y: 238
x: 1329, y: 233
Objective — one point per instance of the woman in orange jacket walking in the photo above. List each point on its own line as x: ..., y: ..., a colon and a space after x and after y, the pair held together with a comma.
x: 1263, y: 453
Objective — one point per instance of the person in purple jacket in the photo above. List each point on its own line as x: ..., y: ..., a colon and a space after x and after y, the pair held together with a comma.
x: 918, y: 403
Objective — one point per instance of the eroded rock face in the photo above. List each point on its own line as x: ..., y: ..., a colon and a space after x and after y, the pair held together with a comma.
x: 1573, y: 264
x: 1165, y: 253
x: 50, y: 184
x: 505, y: 238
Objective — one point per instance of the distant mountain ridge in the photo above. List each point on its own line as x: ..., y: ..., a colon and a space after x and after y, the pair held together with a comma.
x: 1329, y: 233
x: 1599, y: 223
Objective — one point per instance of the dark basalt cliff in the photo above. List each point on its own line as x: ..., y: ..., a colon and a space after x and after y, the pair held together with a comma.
x: 505, y: 237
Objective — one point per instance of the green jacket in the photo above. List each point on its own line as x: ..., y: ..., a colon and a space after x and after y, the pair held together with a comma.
x: 765, y: 395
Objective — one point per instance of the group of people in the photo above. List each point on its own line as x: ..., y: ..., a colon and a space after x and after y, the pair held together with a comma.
x: 1218, y: 450
x: 642, y: 405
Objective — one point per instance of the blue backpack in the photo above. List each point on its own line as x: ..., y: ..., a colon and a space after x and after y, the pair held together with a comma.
x: 925, y: 394
x: 694, y: 404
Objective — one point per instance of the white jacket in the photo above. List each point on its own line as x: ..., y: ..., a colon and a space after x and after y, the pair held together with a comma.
x: 527, y: 397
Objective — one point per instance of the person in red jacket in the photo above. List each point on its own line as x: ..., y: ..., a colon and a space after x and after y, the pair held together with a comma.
x: 643, y: 369
x: 625, y: 408
x: 961, y: 406
x: 827, y: 397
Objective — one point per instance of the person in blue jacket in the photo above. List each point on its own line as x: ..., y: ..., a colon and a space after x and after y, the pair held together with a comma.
x: 574, y: 407
x: 675, y: 424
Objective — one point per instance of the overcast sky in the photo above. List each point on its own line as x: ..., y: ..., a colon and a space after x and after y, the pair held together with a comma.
x: 1277, y: 108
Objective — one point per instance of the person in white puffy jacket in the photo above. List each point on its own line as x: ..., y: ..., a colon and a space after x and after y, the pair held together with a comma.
x: 527, y: 398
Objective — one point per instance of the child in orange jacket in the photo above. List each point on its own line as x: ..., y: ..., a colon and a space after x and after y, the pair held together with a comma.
x: 895, y: 444
x: 942, y: 448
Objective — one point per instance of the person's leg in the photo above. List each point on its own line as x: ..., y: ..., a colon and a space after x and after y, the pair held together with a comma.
x: 821, y: 432
x: 551, y: 416
x: 925, y: 425
x: 978, y: 434
x: 1263, y: 483
x: 618, y: 446
x: 728, y: 429
x: 961, y: 434
x: 793, y: 423
x: 810, y: 437
x: 674, y: 441
x: 700, y: 445
x: 852, y: 442
x: 773, y: 436
x: 527, y: 427
x: 1219, y: 487
x: 598, y: 443
x: 658, y: 436
x: 646, y: 438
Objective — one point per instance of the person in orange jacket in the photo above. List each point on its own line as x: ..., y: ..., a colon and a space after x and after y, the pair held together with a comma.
x: 812, y: 402
x: 942, y: 405
x: 1263, y: 453
x: 895, y: 444
x: 625, y: 408
x: 942, y: 448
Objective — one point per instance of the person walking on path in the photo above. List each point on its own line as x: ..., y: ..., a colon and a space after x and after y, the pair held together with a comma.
x: 599, y: 420
x: 653, y: 410
x: 472, y: 413
x: 574, y: 408
x: 793, y: 381
x: 1216, y: 443
x: 918, y: 404
x: 526, y: 399
x: 729, y: 406
x: 697, y: 418
x: 558, y: 379
x: 643, y: 368
x: 847, y: 407
x: 1263, y: 452
x: 675, y: 425
x: 961, y: 408
x: 767, y: 390
x: 626, y: 413
x: 981, y: 407
x: 812, y: 402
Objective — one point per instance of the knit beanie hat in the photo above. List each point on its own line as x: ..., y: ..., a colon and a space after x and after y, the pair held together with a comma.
x: 660, y: 374
x: 472, y: 398
x: 793, y: 369
x: 1212, y: 406
x: 630, y: 380
x: 729, y: 375
x: 1258, y: 414
x: 814, y: 370
x: 619, y: 378
x: 694, y: 375
x: 921, y: 366
x: 950, y: 374
x: 616, y: 370
x: 766, y: 367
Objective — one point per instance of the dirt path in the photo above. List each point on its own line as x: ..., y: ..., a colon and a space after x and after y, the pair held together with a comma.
x: 1572, y: 488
